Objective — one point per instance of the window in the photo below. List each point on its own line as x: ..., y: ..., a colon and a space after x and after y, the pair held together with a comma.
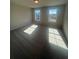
x: 37, y: 14
x: 52, y: 15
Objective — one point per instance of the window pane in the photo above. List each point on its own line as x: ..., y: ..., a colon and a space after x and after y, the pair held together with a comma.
x: 53, y: 11
x: 37, y: 15
x: 52, y: 15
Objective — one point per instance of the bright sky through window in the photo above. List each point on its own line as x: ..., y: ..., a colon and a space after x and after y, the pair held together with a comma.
x: 52, y: 11
x: 30, y: 29
x: 37, y: 14
x: 55, y: 38
x: 52, y: 15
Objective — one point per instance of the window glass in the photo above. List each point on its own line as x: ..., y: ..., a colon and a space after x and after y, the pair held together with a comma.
x: 37, y: 15
x: 52, y: 15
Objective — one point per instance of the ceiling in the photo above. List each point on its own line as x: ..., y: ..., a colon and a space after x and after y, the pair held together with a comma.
x: 30, y: 3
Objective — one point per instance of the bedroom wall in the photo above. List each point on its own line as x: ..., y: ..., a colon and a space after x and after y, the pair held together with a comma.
x: 20, y: 16
x: 65, y: 22
x: 44, y: 16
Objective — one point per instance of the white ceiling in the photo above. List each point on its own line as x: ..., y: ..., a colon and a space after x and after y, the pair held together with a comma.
x: 30, y: 3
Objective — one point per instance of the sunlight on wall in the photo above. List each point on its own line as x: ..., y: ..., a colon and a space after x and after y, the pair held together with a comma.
x: 30, y: 29
x: 55, y: 38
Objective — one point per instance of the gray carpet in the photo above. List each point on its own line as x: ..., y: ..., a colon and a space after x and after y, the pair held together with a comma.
x: 35, y: 45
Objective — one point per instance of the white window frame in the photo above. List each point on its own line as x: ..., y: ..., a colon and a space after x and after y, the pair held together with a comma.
x: 53, y: 13
x: 39, y: 15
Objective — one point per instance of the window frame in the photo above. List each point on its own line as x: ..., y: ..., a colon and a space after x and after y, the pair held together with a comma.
x: 51, y: 16
x: 39, y: 14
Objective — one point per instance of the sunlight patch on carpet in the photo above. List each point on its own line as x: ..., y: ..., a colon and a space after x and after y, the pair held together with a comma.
x: 30, y: 29
x: 55, y: 38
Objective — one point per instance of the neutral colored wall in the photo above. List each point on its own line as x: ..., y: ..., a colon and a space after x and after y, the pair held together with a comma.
x: 60, y: 16
x: 44, y: 16
x: 20, y: 16
x: 65, y: 22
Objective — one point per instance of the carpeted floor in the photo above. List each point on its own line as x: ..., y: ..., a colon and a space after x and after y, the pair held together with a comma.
x: 38, y: 43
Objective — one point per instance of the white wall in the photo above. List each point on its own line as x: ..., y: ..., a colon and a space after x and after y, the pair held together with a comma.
x: 20, y: 16
x: 44, y: 16
x: 65, y: 24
